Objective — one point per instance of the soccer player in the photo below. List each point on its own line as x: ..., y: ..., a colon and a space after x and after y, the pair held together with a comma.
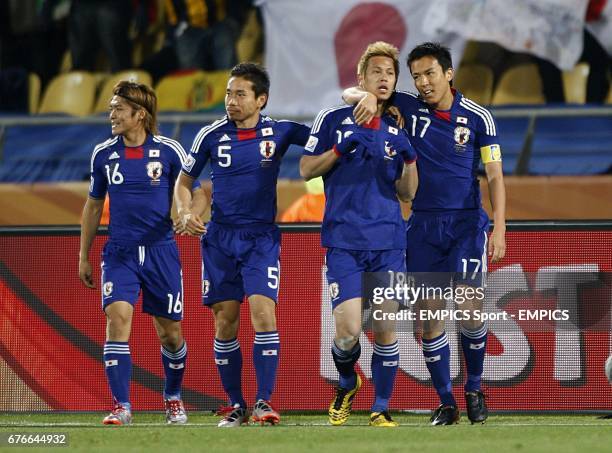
x: 241, y: 244
x: 447, y: 231
x: 138, y: 169
x: 365, y: 170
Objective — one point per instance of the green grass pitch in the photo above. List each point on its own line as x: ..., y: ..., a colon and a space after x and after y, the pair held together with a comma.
x: 501, y: 433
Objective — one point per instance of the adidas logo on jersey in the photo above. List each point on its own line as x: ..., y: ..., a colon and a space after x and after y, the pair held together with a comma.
x: 347, y: 120
x: 424, y: 110
x: 114, y: 156
x: 225, y: 138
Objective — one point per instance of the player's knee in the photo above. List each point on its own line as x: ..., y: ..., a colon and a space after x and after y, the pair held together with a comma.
x: 346, y: 342
x: 226, y: 328
x: 263, y: 321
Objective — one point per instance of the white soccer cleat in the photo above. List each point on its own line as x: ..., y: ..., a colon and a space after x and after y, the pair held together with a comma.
x: 233, y: 416
x: 263, y: 413
x: 175, y: 412
x: 118, y: 416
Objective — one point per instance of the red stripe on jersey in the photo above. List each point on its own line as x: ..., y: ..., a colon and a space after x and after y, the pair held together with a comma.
x: 247, y: 134
x: 136, y: 152
x: 443, y: 115
x: 374, y: 123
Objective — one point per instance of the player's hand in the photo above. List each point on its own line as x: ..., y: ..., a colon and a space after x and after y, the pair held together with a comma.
x: 349, y: 143
x: 85, y: 273
x: 402, y: 146
x: 191, y: 224
x: 394, y: 112
x: 365, y: 109
x: 497, y: 244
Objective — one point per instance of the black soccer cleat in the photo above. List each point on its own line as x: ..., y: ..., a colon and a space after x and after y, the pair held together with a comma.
x: 445, y: 415
x: 476, y: 406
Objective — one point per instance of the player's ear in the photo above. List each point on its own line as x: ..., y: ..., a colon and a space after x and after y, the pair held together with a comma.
x: 261, y: 100
x: 450, y: 74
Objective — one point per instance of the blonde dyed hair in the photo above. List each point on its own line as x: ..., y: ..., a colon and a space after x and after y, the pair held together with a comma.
x: 379, y: 49
x: 140, y: 97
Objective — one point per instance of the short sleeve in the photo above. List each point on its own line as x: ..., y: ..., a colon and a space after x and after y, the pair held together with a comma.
x: 487, y: 139
x: 199, y: 155
x: 321, y: 138
x: 98, y: 185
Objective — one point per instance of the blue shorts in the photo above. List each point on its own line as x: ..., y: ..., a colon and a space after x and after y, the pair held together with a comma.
x: 239, y: 261
x: 451, y: 243
x: 345, y: 268
x: 156, y: 270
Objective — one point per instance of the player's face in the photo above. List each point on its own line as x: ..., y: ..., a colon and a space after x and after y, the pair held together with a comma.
x: 432, y: 81
x: 241, y: 103
x: 379, y: 78
x: 123, y: 117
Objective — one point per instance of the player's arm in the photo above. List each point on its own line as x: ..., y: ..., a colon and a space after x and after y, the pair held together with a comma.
x: 315, y: 166
x: 497, y: 196
x: 366, y: 104
x: 189, y: 214
x: 407, y: 185
x: 90, y: 221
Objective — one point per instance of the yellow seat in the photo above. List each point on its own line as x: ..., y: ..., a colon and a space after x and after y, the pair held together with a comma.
x: 71, y: 93
x: 197, y: 90
x: 249, y: 44
x: 106, y: 93
x: 519, y: 85
x: 33, y: 92
x: 575, y: 83
x: 475, y: 81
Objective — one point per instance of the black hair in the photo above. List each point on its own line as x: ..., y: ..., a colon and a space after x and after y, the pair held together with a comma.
x: 432, y: 49
x: 257, y: 75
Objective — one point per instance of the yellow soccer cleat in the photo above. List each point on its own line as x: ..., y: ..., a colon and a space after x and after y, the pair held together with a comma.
x: 340, y: 407
x: 382, y: 420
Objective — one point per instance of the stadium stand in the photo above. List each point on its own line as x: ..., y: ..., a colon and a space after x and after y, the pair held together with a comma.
x: 106, y: 92
x: 72, y: 93
x: 519, y: 85
x: 475, y: 81
x: 575, y: 84
x: 33, y: 92
x: 572, y: 146
x: 191, y: 90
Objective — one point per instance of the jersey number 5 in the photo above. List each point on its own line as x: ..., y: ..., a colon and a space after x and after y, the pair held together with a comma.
x: 225, y: 159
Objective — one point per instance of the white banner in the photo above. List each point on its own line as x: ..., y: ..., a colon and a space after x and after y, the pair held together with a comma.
x: 550, y: 29
x: 312, y: 47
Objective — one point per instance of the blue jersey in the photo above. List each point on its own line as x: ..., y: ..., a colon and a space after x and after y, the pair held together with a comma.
x: 449, y: 147
x: 362, y: 211
x: 140, y: 182
x: 244, y: 167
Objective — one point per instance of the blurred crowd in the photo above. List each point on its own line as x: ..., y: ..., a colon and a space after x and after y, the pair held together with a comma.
x: 160, y: 36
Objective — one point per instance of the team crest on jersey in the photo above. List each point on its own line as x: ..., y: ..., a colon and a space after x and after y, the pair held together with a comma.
x: 389, y: 151
x: 334, y: 290
x: 154, y: 171
x: 205, y: 287
x: 267, y: 149
x: 107, y: 290
x: 462, y: 135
